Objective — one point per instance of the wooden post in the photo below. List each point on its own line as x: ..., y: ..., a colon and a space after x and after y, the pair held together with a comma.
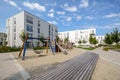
x: 47, y: 46
x: 23, y: 45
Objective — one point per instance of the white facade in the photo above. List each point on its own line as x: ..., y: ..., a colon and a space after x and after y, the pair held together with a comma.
x: 76, y: 35
x: 28, y: 23
x: 100, y: 39
x: 3, y: 37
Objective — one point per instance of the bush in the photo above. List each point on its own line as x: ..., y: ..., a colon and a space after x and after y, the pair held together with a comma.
x: 8, y: 49
x: 39, y: 48
x: 105, y: 49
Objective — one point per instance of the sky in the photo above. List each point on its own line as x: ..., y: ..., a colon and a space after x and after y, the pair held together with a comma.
x: 67, y: 15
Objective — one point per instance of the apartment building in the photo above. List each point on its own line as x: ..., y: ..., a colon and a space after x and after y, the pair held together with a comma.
x: 100, y: 39
x: 3, y: 37
x: 76, y: 35
x: 34, y: 26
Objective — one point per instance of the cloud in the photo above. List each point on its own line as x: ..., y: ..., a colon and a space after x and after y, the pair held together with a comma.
x: 89, y: 17
x: 112, y: 15
x: 69, y: 8
x: 78, y: 17
x: 53, y: 22
x: 51, y: 10
x: 51, y: 15
x: 60, y: 12
x: 12, y: 3
x: 69, y: 19
x: 84, y: 4
x: 34, y: 6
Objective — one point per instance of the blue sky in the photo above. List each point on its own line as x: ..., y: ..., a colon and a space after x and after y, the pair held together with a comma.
x: 104, y: 15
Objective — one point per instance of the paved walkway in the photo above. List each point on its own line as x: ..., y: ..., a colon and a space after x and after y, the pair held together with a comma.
x: 10, y: 69
x: 110, y: 55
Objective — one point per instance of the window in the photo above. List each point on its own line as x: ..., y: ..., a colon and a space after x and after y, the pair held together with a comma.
x: 38, y: 30
x: 1, y: 39
x: 14, y: 36
x: 14, y: 28
x: 38, y: 36
x: 38, y: 23
x: 29, y: 28
x: 14, y: 20
x: 29, y: 20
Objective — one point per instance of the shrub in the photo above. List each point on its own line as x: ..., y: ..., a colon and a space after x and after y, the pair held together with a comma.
x: 8, y: 49
x: 39, y: 48
x: 105, y: 49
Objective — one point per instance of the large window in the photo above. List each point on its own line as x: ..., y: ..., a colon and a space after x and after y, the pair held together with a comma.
x: 14, y: 36
x: 14, y: 20
x: 29, y: 20
x: 14, y: 28
x: 29, y: 28
x: 39, y: 23
x: 38, y: 30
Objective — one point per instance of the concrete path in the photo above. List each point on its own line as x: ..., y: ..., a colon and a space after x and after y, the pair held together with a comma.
x: 11, y: 69
x: 110, y: 55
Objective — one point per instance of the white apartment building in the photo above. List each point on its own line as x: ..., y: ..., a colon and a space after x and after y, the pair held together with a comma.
x: 30, y: 24
x: 76, y: 35
x: 3, y: 37
x: 100, y: 39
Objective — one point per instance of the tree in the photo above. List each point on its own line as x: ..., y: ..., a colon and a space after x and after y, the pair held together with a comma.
x: 91, y: 39
x: 108, y: 39
x: 79, y: 41
x: 57, y: 38
x: 115, y: 35
x: 84, y: 41
x: 22, y: 35
x: 94, y: 41
x: 66, y: 40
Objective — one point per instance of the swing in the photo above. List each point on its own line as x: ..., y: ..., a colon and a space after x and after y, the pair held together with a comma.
x: 36, y: 51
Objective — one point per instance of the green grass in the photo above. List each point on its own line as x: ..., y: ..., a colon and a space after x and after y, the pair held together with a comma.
x: 91, y: 48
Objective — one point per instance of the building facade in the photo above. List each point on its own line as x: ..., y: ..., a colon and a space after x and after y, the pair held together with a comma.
x: 100, y: 39
x: 30, y: 24
x: 78, y: 35
x: 3, y: 37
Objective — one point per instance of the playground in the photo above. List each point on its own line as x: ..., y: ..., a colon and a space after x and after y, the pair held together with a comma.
x: 107, y: 68
x: 63, y: 61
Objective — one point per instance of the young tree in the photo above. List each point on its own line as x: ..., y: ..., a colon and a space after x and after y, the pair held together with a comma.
x: 57, y: 38
x: 115, y: 35
x: 79, y: 41
x: 66, y: 40
x: 91, y: 39
x: 95, y: 41
x: 84, y: 41
x: 108, y: 39
x: 22, y: 35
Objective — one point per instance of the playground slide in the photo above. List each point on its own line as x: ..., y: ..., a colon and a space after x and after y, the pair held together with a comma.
x: 63, y: 50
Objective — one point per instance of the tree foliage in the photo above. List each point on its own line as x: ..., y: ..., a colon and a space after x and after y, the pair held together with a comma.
x: 57, y: 38
x: 113, y: 37
x: 108, y: 39
x: 91, y: 39
x: 66, y: 40
x: 94, y: 41
x: 22, y: 35
x: 79, y: 41
x: 84, y: 41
